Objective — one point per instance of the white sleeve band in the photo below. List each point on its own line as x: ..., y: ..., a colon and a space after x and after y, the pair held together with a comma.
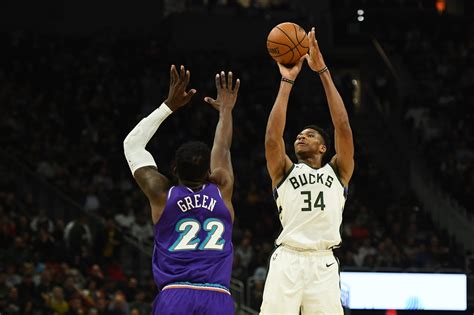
x: 136, y: 141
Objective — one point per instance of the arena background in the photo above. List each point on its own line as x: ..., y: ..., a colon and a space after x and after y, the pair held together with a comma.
x: 75, y: 77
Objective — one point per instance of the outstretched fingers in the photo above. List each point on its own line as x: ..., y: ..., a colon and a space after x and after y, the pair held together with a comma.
x: 212, y: 102
x: 311, y: 38
x: 187, y: 78
x: 189, y: 95
x: 218, y: 82
x: 173, y: 74
x: 236, y: 87
x: 182, y: 72
x: 313, y: 43
x: 229, y: 80
x: 223, y: 80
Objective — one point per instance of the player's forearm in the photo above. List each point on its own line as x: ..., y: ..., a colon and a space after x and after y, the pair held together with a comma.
x: 136, y: 141
x: 339, y: 116
x: 277, y: 119
x: 223, y: 135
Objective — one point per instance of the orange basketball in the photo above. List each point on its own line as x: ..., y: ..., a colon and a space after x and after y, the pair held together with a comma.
x: 287, y: 42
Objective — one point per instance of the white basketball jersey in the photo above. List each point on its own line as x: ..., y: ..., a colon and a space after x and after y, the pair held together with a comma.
x: 310, y: 202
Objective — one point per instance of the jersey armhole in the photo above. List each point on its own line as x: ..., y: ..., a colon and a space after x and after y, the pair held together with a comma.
x: 286, y: 176
x: 219, y: 191
x: 169, y: 193
x: 337, y: 175
x: 275, y: 194
x: 165, y: 208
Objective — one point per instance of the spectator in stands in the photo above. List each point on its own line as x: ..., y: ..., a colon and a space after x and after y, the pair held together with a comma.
x: 131, y: 289
x: 55, y: 301
x: 97, y: 275
x: 77, y: 235
x: 142, y: 229
x: 119, y: 305
x: 102, y: 306
x: 41, y: 221
x: 139, y: 303
x: 78, y: 239
x: 13, y: 304
x: 238, y: 271
x: 364, y: 250
x: 44, y: 245
x: 12, y: 277
x: 91, y: 202
x: 245, y: 252
x: 109, y: 241
x: 27, y: 289
x: 23, y: 230
x: 125, y: 218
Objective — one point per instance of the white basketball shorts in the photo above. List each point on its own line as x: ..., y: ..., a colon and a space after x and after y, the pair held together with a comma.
x: 302, y: 280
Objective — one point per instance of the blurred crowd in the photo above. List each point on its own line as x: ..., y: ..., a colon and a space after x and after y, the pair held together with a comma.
x: 438, y: 56
x: 49, y: 266
x: 68, y: 102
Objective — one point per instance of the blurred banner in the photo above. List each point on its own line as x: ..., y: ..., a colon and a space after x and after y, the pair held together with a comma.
x: 404, y: 291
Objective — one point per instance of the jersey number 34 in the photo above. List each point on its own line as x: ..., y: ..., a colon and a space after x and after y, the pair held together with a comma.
x: 188, y: 230
x: 319, y: 202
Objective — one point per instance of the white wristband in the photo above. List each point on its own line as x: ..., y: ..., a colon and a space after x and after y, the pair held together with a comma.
x: 136, y: 141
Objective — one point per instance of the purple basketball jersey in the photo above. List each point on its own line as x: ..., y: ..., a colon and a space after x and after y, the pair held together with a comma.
x: 193, y: 239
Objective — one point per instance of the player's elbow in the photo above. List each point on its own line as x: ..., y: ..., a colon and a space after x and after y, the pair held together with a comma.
x: 132, y: 143
x: 127, y: 145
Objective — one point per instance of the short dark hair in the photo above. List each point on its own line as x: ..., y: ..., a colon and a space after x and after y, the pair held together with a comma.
x: 193, y: 160
x: 323, y: 133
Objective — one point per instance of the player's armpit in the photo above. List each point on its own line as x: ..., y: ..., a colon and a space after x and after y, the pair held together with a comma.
x: 155, y: 186
x: 344, y: 145
x: 344, y: 168
x: 225, y: 182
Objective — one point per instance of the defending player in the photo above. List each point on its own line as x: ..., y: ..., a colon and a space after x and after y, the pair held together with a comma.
x: 310, y: 197
x: 192, y: 256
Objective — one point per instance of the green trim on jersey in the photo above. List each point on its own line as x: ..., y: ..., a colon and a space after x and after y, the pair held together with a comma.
x: 337, y: 174
x: 286, y: 175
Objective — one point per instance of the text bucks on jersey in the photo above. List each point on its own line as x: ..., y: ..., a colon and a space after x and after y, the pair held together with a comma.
x: 310, y: 202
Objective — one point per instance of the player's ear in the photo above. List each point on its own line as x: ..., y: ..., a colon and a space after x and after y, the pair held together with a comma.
x: 322, y: 149
x: 173, y: 170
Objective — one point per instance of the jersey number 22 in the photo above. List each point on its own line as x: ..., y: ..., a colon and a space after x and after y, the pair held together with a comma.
x: 188, y: 230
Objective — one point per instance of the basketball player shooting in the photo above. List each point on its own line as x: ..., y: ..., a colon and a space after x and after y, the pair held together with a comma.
x: 303, y: 273
x: 192, y: 255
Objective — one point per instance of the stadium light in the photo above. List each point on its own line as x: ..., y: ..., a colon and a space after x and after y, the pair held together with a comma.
x: 360, y: 15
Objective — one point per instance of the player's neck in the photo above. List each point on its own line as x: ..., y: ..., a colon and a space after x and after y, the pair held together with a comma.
x: 194, y: 185
x: 313, y: 161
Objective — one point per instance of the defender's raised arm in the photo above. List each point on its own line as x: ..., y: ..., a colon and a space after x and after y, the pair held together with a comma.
x: 221, y: 163
x: 141, y: 162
